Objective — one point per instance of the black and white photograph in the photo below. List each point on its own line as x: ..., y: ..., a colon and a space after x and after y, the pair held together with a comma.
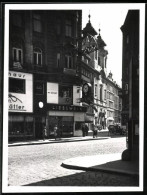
x: 73, y: 97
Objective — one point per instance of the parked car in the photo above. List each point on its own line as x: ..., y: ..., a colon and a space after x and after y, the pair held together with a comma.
x: 119, y: 129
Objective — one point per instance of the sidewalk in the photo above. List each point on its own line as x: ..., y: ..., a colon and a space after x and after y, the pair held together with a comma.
x: 110, y: 163
x: 49, y: 141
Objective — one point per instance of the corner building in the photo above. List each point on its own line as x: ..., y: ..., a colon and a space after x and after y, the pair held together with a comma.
x: 44, y: 81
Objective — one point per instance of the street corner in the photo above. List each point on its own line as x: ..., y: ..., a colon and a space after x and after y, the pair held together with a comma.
x: 90, y: 161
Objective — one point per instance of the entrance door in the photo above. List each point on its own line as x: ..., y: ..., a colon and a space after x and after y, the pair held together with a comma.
x: 38, y: 127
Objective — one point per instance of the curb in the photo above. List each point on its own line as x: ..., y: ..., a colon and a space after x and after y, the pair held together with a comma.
x: 105, y: 170
x: 57, y: 141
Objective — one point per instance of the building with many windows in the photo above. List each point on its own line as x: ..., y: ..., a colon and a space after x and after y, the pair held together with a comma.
x: 44, y: 81
x: 106, y: 100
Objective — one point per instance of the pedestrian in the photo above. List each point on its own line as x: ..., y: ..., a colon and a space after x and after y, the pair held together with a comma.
x: 55, y: 131
x: 44, y: 132
x: 94, y: 131
x: 83, y: 130
x: 86, y: 130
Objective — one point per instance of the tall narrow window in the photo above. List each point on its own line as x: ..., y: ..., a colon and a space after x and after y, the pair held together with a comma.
x: 101, y: 93
x: 105, y: 62
x: 68, y: 61
x: 99, y: 61
x: 96, y: 55
x: 95, y: 90
x: 37, y: 23
x: 58, y: 60
x: 105, y: 94
x: 17, y: 54
x: 37, y: 57
x: 68, y: 28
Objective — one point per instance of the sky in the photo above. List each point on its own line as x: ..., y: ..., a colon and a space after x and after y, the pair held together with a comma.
x: 109, y: 18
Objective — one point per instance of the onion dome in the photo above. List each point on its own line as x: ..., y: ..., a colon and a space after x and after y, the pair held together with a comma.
x: 89, y: 29
x: 100, y: 42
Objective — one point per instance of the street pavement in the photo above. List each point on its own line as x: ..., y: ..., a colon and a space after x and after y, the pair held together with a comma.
x: 102, y: 167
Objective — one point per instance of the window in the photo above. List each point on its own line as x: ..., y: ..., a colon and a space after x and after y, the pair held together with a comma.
x: 37, y: 56
x: 101, y: 93
x: 105, y: 94
x: 96, y: 55
x: 58, y: 60
x: 20, y: 125
x: 68, y: 61
x: 95, y: 90
x: 17, y: 54
x: 37, y: 23
x: 99, y: 61
x: 105, y: 62
x: 68, y: 28
x: 39, y: 88
x: 17, y: 85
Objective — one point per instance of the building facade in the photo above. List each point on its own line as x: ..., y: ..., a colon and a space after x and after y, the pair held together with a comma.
x: 130, y: 80
x: 44, y: 81
x: 106, y: 99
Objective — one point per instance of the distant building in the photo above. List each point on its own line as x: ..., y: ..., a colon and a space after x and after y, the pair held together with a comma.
x: 106, y: 100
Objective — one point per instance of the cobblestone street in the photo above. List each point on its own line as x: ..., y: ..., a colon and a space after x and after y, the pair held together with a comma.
x: 40, y: 165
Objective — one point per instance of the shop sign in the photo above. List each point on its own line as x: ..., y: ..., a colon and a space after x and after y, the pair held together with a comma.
x: 21, y: 102
x: 67, y: 108
x: 52, y: 93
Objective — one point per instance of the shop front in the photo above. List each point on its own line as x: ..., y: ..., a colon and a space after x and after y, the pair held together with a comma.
x: 20, y: 105
x: 68, y: 118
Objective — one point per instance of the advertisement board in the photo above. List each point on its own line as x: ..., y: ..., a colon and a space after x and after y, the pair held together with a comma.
x: 52, y: 93
x: 77, y: 94
x: 20, y: 95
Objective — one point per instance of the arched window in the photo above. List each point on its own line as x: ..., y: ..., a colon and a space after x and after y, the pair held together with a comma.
x: 37, y: 54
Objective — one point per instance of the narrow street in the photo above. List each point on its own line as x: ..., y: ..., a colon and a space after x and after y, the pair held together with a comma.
x: 41, y: 164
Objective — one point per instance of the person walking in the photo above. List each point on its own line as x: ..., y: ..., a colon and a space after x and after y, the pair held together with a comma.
x: 55, y: 132
x: 44, y: 132
x: 83, y: 130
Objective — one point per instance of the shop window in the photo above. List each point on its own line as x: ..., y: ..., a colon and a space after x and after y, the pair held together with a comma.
x: 29, y: 125
x: 17, y: 54
x: 39, y: 88
x: 68, y: 28
x: 20, y: 125
x: 37, y: 57
x: 78, y: 125
x: 37, y: 23
x: 16, y: 125
x: 17, y: 85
